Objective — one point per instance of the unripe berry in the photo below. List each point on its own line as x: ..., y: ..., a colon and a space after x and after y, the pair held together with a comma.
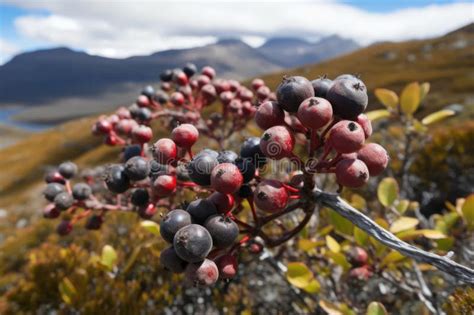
x: 123, y: 113
x: 143, y: 101
x: 177, y: 99
x: 315, y: 113
x: 352, y: 173
x: 227, y: 266
x: 227, y: 156
x: 270, y: 196
x: 180, y: 77
x: 223, y: 230
x: 64, y: 228
x: 209, y: 72
x: 171, y: 261
x: 200, y: 210
x: 245, y: 94
x: 164, y: 185
x: 142, y: 134
x: 125, y: 126
x: 94, y: 222
x: 223, y: 202
x: 116, y: 179
x: 203, y: 80
x: 137, y: 168
x: 221, y: 86
x: 63, y: 201
x: 161, y: 97
x: 192, y: 243
x: 234, y: 85
x: 55, y: 177
x: 51, y: 212
x: 257, y: 83
x: 140, y: 197
x: 172, y: 222
x: 103, y: 126
x: 375, y: 157
x: 269, y: 114
x: 277, y: 142
x: 147, y: 212
x: 366, y: 125
x: 226, y: 178
x: 52, y: 190
x: 361, y: 273
x: 248, y: 109
x: 263, y: 93
x: 186, y: 90
x: 204, y: 273
x: 346, y: 137
x: 164, y: 151
x: 292, y: 91
x: 185, y: 135
x: 209, y: 92
x: 81, y: 191
x: 348, y: 97
x: 321, y: 86
x: 226, y: 97
x: 357, y: 256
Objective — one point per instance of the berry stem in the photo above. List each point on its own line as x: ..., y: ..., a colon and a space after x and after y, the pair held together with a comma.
x: 254, y: 212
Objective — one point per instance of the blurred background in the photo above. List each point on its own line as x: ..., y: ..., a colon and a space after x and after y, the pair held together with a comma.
x: 62, y: 63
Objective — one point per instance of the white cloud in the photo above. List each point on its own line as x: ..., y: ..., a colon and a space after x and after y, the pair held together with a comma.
x: 7, y: 50
x: 124, y: 28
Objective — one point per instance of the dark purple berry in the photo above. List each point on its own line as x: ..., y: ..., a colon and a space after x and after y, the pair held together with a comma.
x: 52, y: 190
x: 245, y: 191
x: 192, y: 243
x: 201, y: 166
x: 223, y: 230
x: 166, y: 76
x: 140, y: 197
x: 63, y: 201
x: 227, y: 156
x: 171, y: 261
x: 131, y: 151
x: 64, y: 228
x: 200, y: 210
x: 81, y: 191
x: 67, y: 169
x: 348, y: 97
x: 321, y: 86
x: 190, y: 69
x: 116, y: 179
x: 246, y: 168
x: 251, y: 149
x: 94, y: 222
x: 137, y: 168
x: 292, y: 91
x: 172, y: 222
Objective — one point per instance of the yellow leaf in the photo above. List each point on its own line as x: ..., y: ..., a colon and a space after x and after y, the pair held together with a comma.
x: 468, y: 211
x: 402, y: 205
x: 387, y: 97
x: 403, y: 224
x: 151, y: 227
x: 67, y: 290
x: 424, y: 89
x: 340, y: 223
x: 432, y: 234
x: 299, y: 275
x: 376, y: 308
x: 330, y: 308
x: 419, y: 127
x: 387, y: 191
x: 392, y: 257
x: 306, y: 245
x: 377, y: 114
x: 109, y: 256
x: 437, y: 116
x: 410, y: 98
x: 313, y: 286
x: 358, y: 202
x: 332, y: 244
x: 339, y: 259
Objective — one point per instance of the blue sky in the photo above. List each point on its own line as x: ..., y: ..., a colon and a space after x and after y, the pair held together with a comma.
x: 124, y: 28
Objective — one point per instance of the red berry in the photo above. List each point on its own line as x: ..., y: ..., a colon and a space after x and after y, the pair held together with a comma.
x: 208, y: 91
x: 143, y: 101
x: 315, y: 113
x: 366, y: 125
x: 64, y: 228
x: 123, y: 113
x: 263, y: 93
x: 223, y: 202
x: 346, y: 137
x: 142, y: 133
x: 271, y: 196
x: 234, y: 85
x: 227, y: 266
x: 357, y: 256
x: 125, y: 126
x: 226, y: 178
x: 375, y: 157
x: 209, y: 72
x: 203, y: 273
x: 269, y: 114
x: 166, y: 86
x: 277, y: 142
x: 164, y: 185
x: 257, y: 83
x: 164, y: 151
x: 226, y: 97
x: 54, y: 177
x: 361, y: 273
x: 103, y: 126
x: 51, y: 212
x: 248, y: 110
x: 180, y: 78
x: 221, y: 86
x: 177, y: 99
x: 203, y: 80
x: 245, y: 94
x: 352, y: 173
x: 185, y: 135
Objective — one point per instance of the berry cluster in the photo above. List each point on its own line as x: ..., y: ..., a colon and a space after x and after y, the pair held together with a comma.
x: 326, y: 116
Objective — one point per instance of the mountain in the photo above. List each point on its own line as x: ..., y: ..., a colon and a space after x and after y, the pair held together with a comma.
x: 293, y: 52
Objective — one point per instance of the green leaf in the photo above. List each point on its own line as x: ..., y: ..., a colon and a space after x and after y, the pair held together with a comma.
x: 424, y: 89
x: 332, y: 244
x: 67, y: 290
x: 468, y: 211
x: 392, y: 257
x: 151, y: 227
x: 313, y: 287
x: 306, y: 244
x: 437, y: 116
x: 410, y: 98
x: 403, y: 224
x: 377, y: 114
x: 402, y: 205
x: 341, y: 224
x: 387, y: 97
x: 360, y: 236
x: 387, y: 191
x: 299, y: 275
x: 376, y: 308
x: 109, y: 257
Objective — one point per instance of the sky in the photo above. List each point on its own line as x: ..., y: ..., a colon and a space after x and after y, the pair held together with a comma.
x: 123, y: 28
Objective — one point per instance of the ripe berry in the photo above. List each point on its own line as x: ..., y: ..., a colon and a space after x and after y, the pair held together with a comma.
x: 245, y: 191
x: 346, y: 137
x: 164, y: 151
x: 171, y: 261
x: 277, y: 142
x: 200, y: 210
x: 166, y: 75
x: 81, y: 191
x: 140, y: 197
x: 375, y: 157
x: 182, y: 173
x: 292, y: 91
x: 227, y: 266
x: 164, y: 185
x: 148, y: 91
x: 209, y: 72
x: 223, y: 202
x: 227, y: 156
x: 177, y: 99
x: 352, y: 173
x: 52, y: 190
x: 357, y: 256
x: 172, y: 222
x: 315, y: 113
x: 269, y: 114
x: 251, y: 149
x: 270, y: 196
x: 192, y: 243
x: 321, y: 86
x: 131, y: 151
x: 54, y: 177
x: 246, y: 168
x: 366, y: 125
x: 143, y: 115
x: 348, y: 97
x: 51, y: 212
x: 116, y: 179
x: 147, y: 212
x: 157, y: 169
x: 142, y: 134
x: 64, y: 228
x: 223, y: 230
x: 94, y: 222
x: 185, y: 135
x: 226, y: 178
x: 201, y: 166
x: 67, y: 169
x: 63, y: 201
x: 346, y: 76
x: 137, y: 168
x: 180, y: 77
x: 190, y: 69
x: 161, y: 97
x: 204, y: 273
